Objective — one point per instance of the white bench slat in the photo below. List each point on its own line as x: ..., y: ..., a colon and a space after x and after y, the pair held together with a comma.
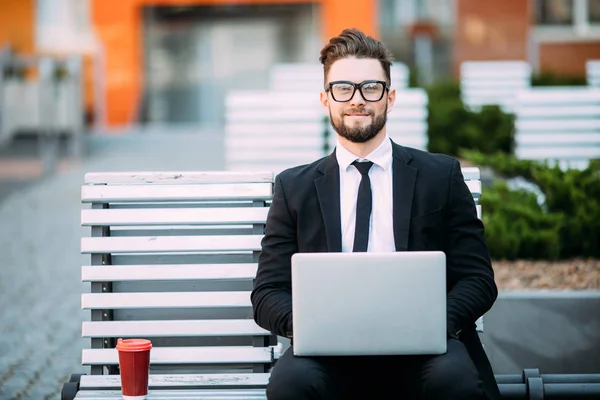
x: 178, y: 177
x: 186, y: 355
x: 182, y: 328
x: 162, y: 272
x: 479, y: 84
x: 266, y: 157
x: 187, y: 381
x: 269, y: 99
x: 170, y: 244
x: 475, y: 187
x: 558, y: 96
x: 260, y: 129
x: 470, y: 173
x: 177, y: 216
x: 274, y: 117
x: 568, y: 111
x: 579, y: 124
x: 273, y: 165
x: 144, y: 300
x: 256, y: 143
x: 558, y: 138
x: 593, y: 72
x: 404, y: 113
x: 195, y: 394
x: 565, y: 153
x: 137, y: 193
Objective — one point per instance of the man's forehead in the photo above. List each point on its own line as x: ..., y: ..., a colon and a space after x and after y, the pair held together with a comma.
x: 356, y: 70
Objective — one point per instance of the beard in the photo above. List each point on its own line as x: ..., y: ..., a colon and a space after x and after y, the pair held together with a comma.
x: 359, y: 134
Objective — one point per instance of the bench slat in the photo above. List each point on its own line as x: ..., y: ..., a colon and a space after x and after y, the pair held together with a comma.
x: 172, y: 328
x: 474, y: 187
x: 186, y: 355
x: 260, y: 129
x: 562, y: 139
x: 470, y: 173
x: 140, y: 193
x: 561, y: 152
x: 170, y: 244
x: 173, y: 272
x: 183, y: 381
x: 117, y: 301
x: 195, y: 394
x: 545, y: 125
x: 177, y: 177
x: 185, y: 216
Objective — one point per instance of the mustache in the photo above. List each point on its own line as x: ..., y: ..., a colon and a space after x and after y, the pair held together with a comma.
x: 358, y: 111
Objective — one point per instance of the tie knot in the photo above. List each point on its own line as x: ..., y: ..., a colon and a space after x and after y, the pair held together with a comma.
x: 363, y: 167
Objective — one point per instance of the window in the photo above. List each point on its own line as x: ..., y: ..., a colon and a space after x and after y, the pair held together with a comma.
x: 577, y: 14
x: 594, y: 11
x: 554, y: 12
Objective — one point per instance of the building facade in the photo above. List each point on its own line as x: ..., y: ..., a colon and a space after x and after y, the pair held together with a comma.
x: 172, y: 61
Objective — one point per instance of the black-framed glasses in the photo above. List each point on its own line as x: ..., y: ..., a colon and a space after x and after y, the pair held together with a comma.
x: 343, y: 91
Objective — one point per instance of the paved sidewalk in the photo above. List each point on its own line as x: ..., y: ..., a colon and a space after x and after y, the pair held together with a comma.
x: 40, y: 285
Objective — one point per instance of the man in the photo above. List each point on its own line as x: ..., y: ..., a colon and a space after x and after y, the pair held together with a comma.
x: 419, y: 202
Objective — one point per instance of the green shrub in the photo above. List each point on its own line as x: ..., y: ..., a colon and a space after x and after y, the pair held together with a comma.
x: 550, y: 79
x: 452, y: 127
x: 517, y: 227
x: 566, y: 225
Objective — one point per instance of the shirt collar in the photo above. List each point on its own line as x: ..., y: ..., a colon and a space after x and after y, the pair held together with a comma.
x: 381, y: 156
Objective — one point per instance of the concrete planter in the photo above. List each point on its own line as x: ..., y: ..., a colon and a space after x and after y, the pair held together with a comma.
x: 555, y: 331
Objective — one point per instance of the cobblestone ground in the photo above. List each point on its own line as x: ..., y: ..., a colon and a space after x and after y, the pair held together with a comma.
x: 40, y: 285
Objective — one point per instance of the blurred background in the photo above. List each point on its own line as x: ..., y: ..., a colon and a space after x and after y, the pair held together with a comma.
x: 511, y: 87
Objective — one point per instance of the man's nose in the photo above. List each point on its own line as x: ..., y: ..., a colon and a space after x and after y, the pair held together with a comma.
x: 357, y: 99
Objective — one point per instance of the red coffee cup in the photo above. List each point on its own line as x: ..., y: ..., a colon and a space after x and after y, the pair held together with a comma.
x: 134, y: 363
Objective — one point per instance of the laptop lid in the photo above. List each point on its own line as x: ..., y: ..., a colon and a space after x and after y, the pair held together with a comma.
x: 369, y: 303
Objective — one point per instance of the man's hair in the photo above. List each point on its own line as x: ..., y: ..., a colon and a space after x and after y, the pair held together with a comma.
x: 354, y: 43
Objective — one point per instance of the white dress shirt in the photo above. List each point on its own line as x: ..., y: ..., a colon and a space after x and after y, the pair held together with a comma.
x: 381, y: 231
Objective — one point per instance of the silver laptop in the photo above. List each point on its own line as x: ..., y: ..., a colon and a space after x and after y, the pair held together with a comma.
x: 369, y: 303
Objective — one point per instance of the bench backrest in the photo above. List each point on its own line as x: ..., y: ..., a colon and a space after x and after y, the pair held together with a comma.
x: 294, y: 77
x: 493, y: 82
x: 173, y: 257
x: 268, y: 130
x: 558, y: 124
x: 271, y: 131
x: 593, y: 72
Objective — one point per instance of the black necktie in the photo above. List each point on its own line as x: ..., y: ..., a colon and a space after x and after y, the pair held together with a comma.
x: 364, y: 204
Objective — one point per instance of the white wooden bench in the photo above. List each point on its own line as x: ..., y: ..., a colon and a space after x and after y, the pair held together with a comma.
x: 173, y: 256
x: 592, y: 68
x: 558, y: 124
x: 266, y: 130
x: 493, y: 83
x: 295, y: 77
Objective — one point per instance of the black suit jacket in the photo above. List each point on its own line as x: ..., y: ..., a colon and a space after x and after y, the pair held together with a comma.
x: 433, y: 209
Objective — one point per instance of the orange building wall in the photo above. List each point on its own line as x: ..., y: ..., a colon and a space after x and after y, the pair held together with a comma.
x: 17, y: 24
x: 567, y: 58
x: 118, y: 26
x: 491, y: 30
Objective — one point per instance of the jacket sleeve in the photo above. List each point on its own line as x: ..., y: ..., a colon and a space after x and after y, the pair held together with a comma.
x: 470, y: 277
x: 272, y: 293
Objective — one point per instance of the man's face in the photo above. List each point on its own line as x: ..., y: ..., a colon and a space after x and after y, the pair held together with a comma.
x: 357, y: 119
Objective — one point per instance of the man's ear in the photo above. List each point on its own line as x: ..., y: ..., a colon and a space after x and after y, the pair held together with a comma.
x: 391, y: 99
x: 324, y: 100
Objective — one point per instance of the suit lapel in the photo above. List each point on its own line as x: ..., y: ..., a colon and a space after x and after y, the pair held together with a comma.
x: 328, y: 193
x: 404, y: 179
